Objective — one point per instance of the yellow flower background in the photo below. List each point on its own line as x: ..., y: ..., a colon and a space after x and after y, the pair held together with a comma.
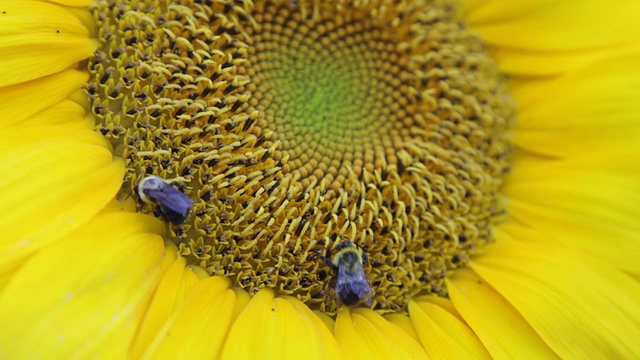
x: 81, y: 277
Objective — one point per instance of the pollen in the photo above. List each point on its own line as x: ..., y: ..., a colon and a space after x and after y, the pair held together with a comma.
x: 296, y: 126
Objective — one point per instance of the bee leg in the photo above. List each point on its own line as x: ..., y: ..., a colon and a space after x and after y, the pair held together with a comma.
x: 324, y: 259
x: 122, y: 201
x: 178, y: 185
x: 329, y: 263
x: 365, y: 258
x: 157, y: 212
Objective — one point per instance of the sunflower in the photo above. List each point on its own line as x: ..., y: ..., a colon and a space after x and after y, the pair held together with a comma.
x: 480, y: 154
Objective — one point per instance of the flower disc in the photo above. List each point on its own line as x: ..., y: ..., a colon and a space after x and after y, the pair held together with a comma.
x: 295, y: 127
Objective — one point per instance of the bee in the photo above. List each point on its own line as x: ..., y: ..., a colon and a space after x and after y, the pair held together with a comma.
x: 172, y: 203
x: 352, y: 286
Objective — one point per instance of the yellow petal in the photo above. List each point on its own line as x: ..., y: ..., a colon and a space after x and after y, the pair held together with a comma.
x: 53, y: 181
x: 242, y: 299
x: 607, y: 81
x: 553, y: 24
x: 530, y: 168
x: 590, y: 204
x: 328, y: 321
x: 7, y: 274
x: 518, y: 62
x: 21, y: 101
x: 364, y: 334
x: 76, y: 3
x: 404, y: 322
x: 174, y: 286
x: 580, y: 114
x: 40, y: 39
x: 581, y: 195
x: 279, y: 328
x: 618, y: 248
x: 33, y: 17
x: 442, y: 334
x: 581, y: 307
x: 200, y: 325
x: 502, y: 330
x: 67, y: 113
x: 84, y: 296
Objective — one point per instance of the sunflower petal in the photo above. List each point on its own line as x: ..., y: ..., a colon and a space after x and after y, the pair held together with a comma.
x: 502, y: 330
x: 403, y: 321
x: 42, y: 38
x: 67, y: 113
x: 30, y: 16
x: 579, y: 205
x: 604, y: 82
x: 363, y: 334
x: 581, y: 195
x: 543, y: 64
x: 328, y: 321
x: 590, y: 109
x: 564, y: 295
x: 279, y: 328
x: 33, y: 59
x: 442, y: 334
x: 21, y: 101
x: 75, y: 3
x: 79, y: 165
x: 199, y: 326
x: 174, y: 286
x: 93, y: 289
x: 621, y: 249
x: 555, y: 25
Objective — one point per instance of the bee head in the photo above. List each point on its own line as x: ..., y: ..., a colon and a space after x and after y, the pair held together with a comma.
x: 348, y: 256
x: 149, y: 183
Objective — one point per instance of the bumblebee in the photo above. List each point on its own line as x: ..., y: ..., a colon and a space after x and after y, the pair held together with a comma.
x: 172, y: 203
x: 352, y: 286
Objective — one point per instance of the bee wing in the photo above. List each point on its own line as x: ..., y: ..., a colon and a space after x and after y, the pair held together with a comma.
x: 353, y: 287
x: 174, y: 204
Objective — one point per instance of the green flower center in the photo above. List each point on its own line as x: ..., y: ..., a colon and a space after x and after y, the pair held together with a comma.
x: 331, y: 91
x: 296, y: 127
